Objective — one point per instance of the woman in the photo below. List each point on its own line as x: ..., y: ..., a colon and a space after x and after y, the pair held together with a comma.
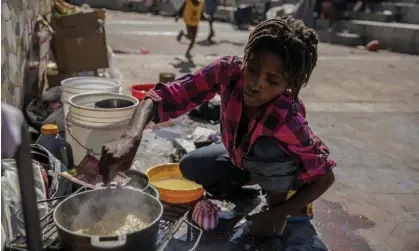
x: 266, y: 139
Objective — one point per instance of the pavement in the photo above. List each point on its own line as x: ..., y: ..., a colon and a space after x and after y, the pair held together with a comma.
x: 364, y: 105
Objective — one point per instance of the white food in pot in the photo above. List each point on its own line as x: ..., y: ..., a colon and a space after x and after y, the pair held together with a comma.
x: 115, y: 225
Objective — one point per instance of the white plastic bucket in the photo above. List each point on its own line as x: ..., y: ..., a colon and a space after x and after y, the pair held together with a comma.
x: 81, y: 85
x: 89, y: 127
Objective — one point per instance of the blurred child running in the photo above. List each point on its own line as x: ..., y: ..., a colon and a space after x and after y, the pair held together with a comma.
x: 191, y: 12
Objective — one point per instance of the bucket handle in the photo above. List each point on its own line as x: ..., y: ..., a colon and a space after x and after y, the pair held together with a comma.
x: 108, y: 242
x: 89, y: 151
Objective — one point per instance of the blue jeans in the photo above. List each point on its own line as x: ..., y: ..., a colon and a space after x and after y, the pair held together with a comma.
x: 211, y: 167
x: 211, y: 7
x: 301, y: 236
x: 297, y: 236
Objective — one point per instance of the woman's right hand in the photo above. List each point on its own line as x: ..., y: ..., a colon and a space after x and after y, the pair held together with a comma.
x: 117, y: 155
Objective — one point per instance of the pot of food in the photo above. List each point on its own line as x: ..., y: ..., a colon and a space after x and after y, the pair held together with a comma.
x: 125, y: 220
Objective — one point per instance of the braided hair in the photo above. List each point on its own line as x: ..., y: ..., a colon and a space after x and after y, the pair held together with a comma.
x: 293, y: 42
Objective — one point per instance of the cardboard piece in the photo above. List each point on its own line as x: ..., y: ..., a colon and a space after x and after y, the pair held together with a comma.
x: 79, y: 43
x: 54, y: 78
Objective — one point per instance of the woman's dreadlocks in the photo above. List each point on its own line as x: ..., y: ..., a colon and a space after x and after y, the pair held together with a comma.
x: 295, y: 44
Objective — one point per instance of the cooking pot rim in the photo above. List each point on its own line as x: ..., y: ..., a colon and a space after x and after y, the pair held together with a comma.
x: 58, y: 225
x: 142, y: 174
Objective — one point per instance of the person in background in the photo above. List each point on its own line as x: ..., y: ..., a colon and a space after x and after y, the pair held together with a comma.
x: 192, y: 13
x: 265, y: 134
x: 211, y: 7
x: 336, y: 12
x: 368, y: 6
x: 304, y: 10
x: 266, y: 8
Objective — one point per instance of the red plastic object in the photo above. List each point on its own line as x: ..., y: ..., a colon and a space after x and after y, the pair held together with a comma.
x: 139, y: 91
x: 143, y: 51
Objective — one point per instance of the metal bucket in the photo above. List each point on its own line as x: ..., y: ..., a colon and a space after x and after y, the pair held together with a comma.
x: 84, y: 209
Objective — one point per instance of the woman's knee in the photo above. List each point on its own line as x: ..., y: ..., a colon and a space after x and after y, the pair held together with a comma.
x: 186, y: 166
x: 201, y: 165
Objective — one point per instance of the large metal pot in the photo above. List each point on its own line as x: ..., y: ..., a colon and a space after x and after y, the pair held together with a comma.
x: 82, y: 210
x: 139, y: 180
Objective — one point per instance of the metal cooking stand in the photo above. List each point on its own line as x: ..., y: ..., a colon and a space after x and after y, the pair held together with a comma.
x: 173, y: 217
x: 41, y: 234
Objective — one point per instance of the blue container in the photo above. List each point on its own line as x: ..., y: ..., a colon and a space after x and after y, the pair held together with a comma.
x: 56, y: 145
x: 150, y: 189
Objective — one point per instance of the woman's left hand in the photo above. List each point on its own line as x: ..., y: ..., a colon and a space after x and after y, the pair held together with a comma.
x: 267, y: 223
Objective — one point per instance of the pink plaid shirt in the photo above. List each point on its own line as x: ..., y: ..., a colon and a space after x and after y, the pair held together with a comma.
x: 282, y: 118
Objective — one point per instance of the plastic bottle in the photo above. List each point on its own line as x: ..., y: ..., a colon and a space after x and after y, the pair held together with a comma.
x: 51, y: 140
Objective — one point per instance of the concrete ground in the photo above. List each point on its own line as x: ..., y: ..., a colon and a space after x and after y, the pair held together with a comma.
x: 364, y: 105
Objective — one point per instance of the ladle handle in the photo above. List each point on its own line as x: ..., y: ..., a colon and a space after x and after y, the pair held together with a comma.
x: 105, y: 242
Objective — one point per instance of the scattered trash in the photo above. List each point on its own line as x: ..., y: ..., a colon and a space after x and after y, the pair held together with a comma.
x: 241, y: 231
x: 182, y: 147
x: 57, y: 185
x: 185, y: 145
x: 41, y: 112
x: 388, y: 12
x: 226, y: 209
x: 12, y: 200
x: 87, y: 173
x: 208, y: 111
x: 361, y: 47
x: 143, y: 51
x: 373, y: 45
x: 201, y: 134
x: 52, y: 95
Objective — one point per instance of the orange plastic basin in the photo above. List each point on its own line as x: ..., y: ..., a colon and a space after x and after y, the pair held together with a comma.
x: 173, y: 188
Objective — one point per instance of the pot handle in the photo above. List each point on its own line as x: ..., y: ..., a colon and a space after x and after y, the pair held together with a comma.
x: 108, y: 242
x: 100, y: 185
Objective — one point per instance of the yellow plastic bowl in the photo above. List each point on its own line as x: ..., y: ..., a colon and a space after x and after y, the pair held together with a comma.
x: 175, y: 196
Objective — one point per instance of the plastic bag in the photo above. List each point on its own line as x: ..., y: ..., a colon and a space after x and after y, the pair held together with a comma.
x: 52, y: 95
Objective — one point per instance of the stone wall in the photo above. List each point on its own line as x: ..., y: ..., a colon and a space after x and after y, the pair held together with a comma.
x: 20, y: 47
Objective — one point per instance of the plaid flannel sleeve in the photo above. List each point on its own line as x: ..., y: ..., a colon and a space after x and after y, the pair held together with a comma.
x: 306, y: 148
x: 184, y: 94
